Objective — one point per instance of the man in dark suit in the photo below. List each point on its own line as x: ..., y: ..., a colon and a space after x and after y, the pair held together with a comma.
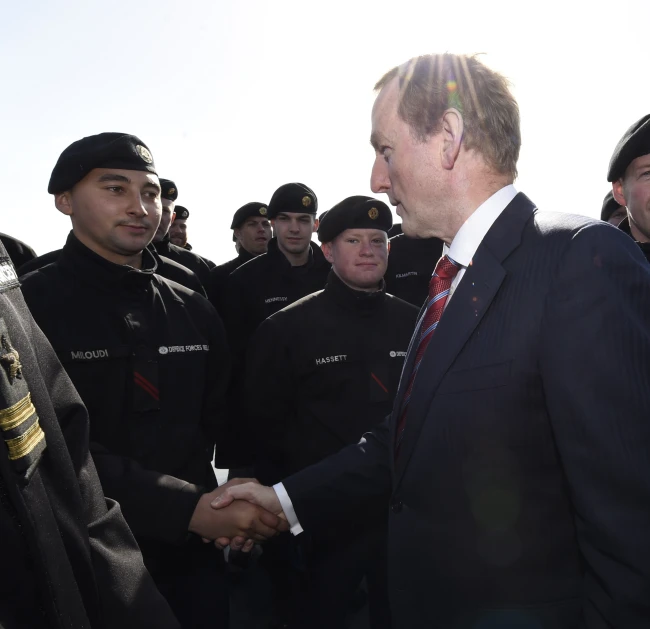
x: 517, y: 486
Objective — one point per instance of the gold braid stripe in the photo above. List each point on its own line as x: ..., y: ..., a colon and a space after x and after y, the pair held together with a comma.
x: 23, y: 445
x: 15, y: 415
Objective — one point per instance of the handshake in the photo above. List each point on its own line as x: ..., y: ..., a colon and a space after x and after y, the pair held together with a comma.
x: 238, y: 514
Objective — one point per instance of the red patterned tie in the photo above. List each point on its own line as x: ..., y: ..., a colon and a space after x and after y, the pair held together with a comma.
x: 439, y: 286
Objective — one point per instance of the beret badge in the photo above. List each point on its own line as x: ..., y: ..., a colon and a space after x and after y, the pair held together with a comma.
x: 373, y: 213
x: 144, y: 153
x: 171, y: 191
x: 263, y: 211
x: 306, y: 201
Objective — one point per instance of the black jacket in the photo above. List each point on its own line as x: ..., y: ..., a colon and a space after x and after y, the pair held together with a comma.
x: 188, y: 259
x: 219, y: 275
x: 624, y: 226
x: 165, y: 268
x: 323, y: 371
x: 263, y: 286
x: 68, y: 558
x: 410, y: 266
x: 150, y: 361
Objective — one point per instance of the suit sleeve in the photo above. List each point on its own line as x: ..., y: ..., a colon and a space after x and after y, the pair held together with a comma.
x: 127, y: 594
x: 595, y: 363
x: 343, y: 488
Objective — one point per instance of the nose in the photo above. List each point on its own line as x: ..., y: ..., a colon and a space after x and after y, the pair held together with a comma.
x: 366, y: 250
x: 137, y: 206
x: 379, y: 180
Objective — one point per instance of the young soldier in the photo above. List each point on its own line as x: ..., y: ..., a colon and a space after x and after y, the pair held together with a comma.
x: 127, y: 338
x: 321, y: 372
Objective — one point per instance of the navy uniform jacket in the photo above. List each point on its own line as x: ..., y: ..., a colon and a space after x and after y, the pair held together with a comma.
x: 219, y: 275
x: 323, y: 371
x: 68, y: 557
x: 150, y: 361
x: 410, y: 267
x: 521, y: 495
x: 263, y: 286
x: 195, y: 263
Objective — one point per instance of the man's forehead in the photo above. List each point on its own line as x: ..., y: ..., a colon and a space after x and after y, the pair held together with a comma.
x: 359, y: 232
x: 295, y: 214
x: 104, y: 174
x: 642, y: 161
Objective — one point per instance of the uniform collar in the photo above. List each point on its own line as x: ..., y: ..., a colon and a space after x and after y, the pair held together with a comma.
x: 624, y: 226
x: 99, y: 272
x: 351, y: 299
x: 316, y: 257
x: 162, y: 246
x: 471, y: 234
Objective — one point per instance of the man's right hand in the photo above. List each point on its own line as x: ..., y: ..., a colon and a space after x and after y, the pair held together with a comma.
x: 240, y: 519
x: 252, y: 492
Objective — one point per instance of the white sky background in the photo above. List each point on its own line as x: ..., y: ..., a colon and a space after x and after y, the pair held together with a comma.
x: 237, y: 98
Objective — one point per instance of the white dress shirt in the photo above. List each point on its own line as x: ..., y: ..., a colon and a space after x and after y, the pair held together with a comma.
x: 462, y: 250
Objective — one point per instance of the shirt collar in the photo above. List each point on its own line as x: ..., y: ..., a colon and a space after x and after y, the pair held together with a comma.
x: 471, y: 234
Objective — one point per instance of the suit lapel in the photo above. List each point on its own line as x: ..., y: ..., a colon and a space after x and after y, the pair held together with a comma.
x: 469, y: 303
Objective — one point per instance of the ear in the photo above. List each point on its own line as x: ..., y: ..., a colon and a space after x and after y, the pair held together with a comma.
x: 452, y: 137
x: 326, y: 248
x: 619, y: 192
x: 315, y: 228
x: 388, y: 245
x: 63, y: 202
x: 237, y: 232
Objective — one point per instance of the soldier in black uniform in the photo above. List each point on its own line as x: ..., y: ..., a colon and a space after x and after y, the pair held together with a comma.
x: 68, y: 557
x: 410, y: 267
x: 629, y: 174
x: 18, y: 251
x: 320, y: 373
x: 178, y: 233
x: 252, y: 232
x: 161, y: 240
x: 128, y: 338
x: 292, y: 268
x: 612, y: 212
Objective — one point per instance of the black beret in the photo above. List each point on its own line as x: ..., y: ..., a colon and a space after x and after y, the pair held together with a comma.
x: 355, y: 213
x: 181, y: 212
x: 634, y: 143
x: 246, y: 211
x: 610, y: 205
x: 293, y: 197
x: 106, y: 150
x: 169, y: 190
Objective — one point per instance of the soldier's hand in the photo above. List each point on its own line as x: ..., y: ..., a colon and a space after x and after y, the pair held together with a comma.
x: 239, y: 519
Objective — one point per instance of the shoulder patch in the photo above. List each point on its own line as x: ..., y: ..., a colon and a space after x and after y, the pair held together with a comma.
x: 8, y: 276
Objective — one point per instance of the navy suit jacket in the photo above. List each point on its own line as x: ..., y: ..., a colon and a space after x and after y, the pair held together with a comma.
x: 521, y: 496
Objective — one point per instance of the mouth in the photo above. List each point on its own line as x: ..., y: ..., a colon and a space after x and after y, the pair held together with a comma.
x: 136, y: 229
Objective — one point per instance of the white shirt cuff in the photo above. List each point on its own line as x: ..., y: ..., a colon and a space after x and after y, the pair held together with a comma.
x: 287, y: 507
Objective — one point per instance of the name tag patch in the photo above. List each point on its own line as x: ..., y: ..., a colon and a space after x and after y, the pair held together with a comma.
x: 181, y: 349
x: 400, y: 275
x: 397, y: 354
x: 341, y: 358
x: 270, y: 300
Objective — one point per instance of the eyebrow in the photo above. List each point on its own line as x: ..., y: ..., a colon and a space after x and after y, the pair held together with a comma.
x: 376, y: 139
x: 114, y: 177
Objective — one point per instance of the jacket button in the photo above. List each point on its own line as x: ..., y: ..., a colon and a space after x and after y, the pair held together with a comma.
x: 396, y: 507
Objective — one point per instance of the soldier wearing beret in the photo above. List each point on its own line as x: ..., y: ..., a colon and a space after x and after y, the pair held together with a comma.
x: 410, y: 267
x: 252, y: 232
x: 320, y: 373
x: 612, y: 212
x: 127, y: 338
x: 629, y: 173
x: 68, y: 557
x: 178, y: 233
x: 162, y: 239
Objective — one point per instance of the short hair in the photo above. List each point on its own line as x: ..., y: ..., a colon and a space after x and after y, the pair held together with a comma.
x: 431, y: 84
